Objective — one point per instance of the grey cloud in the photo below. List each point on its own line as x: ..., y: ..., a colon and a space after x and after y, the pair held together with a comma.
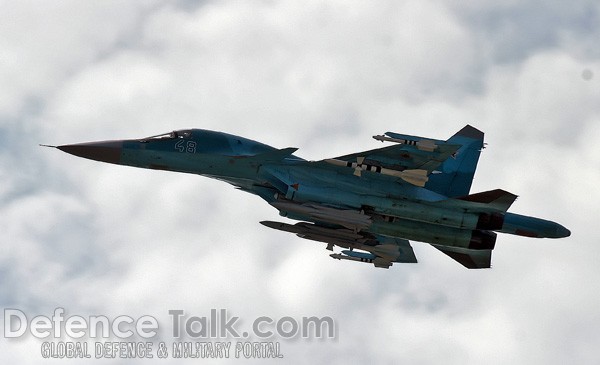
x: 517, y: 30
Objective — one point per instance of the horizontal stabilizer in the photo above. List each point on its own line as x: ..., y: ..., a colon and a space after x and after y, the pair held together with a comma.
x: 498, y: 199
x: 471, y: 259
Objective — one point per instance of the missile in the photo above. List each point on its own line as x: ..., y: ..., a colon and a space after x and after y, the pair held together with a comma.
x: 378, y: 261
x: 348, y: 218
x: 360, y: 255
x: 416, y: 177
x: 308, y: 230
x: 339, y: 256
x: 333, y: 232
x: 340, y: 237
x: 421, y: 144
x: 280, y: 226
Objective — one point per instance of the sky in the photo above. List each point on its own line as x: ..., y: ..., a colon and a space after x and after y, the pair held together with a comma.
x: 322, y: 76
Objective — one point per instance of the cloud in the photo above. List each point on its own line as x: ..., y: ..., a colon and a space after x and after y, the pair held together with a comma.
x: 44, y: 44
x: 324, y: 77
x: 516, y: 30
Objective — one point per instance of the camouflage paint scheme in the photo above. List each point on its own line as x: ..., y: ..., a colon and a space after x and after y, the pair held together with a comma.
x: 369, y: 203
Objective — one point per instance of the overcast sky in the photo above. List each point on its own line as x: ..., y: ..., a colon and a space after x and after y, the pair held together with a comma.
x: 324, y: 77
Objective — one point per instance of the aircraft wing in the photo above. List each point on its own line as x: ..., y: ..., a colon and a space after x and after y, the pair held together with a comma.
x: 378, y: 250
x: 403, y: 157
x: 363, y: 247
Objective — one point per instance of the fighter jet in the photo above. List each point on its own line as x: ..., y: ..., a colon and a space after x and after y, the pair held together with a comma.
x: 369, y: 204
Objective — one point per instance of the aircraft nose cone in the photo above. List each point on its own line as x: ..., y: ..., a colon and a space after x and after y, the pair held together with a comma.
x: 107, y: 151
x: 562, y: 232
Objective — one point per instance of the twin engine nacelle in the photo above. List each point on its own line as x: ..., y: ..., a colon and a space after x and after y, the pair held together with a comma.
x: 490, y: 221
x: 482, y: 240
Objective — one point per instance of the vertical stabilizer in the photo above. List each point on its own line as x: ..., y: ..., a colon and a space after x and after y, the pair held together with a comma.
x: 457, y: 171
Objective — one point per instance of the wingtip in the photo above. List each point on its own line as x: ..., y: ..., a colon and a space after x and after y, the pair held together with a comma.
x: 47, y: 145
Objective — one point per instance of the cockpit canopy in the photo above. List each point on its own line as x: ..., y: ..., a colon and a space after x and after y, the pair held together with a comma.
x: 182, y: 133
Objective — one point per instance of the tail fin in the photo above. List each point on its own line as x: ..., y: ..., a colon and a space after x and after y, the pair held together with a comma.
x: 457, y: 171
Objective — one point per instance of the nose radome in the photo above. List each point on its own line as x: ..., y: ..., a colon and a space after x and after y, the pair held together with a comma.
x: 106, y: 151
x: 562, y: 232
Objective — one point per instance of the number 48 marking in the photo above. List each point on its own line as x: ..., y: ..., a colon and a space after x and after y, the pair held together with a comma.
x: 182, y: 146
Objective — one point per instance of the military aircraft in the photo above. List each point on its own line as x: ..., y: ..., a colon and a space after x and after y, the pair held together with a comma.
x: 368, y: 203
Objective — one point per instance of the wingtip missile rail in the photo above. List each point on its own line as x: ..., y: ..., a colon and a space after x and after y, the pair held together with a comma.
x: 421, y: 144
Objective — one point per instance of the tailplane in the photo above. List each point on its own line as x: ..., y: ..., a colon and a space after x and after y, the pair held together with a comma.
x: 497, y: 199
